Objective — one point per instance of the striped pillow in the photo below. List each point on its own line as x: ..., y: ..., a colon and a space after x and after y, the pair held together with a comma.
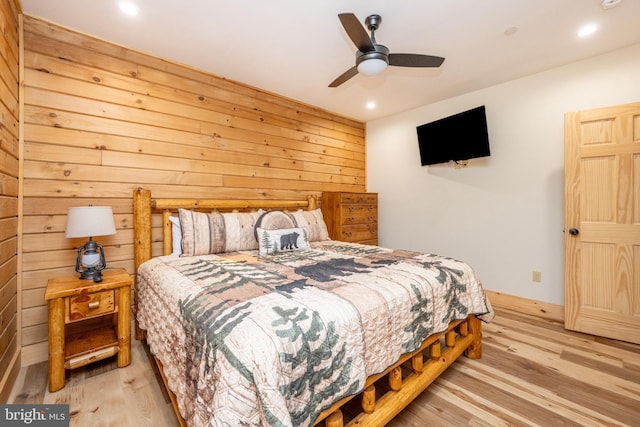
x: 239, y: 235
x: 313, y: 221
x: 212, y: 233
x: 202, y: 233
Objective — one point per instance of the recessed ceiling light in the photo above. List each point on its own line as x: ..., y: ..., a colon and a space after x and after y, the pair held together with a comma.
x: 128, y: 8
x: 587, y: 30
x: 371, y: 105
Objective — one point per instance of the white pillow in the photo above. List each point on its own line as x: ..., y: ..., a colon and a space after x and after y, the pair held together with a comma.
x: 176, y: 236
x: 273, y: 242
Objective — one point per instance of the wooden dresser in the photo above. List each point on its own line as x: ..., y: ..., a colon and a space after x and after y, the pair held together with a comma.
x: 351, y: 217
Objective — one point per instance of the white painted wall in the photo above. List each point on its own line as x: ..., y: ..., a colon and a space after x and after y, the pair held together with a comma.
x: 503, y: 214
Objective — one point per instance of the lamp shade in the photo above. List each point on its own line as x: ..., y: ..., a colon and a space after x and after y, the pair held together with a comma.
x: 89, y: 221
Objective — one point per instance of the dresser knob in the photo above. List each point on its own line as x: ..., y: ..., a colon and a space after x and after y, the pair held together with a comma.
x: 94, y: 304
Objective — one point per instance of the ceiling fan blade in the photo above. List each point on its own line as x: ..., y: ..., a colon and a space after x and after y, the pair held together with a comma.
x: 356, y: 32
x: 414, y: 60
x: 344, y: 77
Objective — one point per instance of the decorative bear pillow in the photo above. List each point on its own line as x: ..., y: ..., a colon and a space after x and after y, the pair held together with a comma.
x: 273, y: 242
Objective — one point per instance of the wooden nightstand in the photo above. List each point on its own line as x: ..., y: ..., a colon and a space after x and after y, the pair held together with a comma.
x: 88, y: 321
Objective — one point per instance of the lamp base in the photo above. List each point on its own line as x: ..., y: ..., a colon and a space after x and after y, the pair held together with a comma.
x: 92, y: 273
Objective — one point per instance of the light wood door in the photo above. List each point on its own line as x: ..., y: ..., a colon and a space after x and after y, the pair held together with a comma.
x: 602, y: 222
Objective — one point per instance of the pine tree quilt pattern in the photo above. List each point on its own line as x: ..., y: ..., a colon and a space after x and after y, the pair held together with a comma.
x: 253, y: 340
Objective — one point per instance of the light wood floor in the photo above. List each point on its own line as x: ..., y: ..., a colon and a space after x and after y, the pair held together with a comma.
x: 532, y: 372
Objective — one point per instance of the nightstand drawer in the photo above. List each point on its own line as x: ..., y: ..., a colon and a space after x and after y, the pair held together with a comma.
x: 84, y: 306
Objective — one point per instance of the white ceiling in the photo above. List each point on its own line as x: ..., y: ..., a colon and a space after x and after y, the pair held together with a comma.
x: 296, y: 48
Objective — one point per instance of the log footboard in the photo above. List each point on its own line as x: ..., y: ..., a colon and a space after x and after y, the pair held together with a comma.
x: 406, y: 379
x: 381, y: 401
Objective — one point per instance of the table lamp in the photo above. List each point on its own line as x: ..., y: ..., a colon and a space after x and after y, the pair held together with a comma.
x: 90, y: 221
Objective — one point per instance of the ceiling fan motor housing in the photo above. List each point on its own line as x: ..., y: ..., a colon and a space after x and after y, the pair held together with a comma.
x: 381, y: 52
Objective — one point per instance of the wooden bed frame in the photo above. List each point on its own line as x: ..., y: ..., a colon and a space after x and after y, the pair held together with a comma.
x: 380, y: 401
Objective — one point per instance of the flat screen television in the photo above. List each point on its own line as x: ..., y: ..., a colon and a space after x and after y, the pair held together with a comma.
x: 459, y: 137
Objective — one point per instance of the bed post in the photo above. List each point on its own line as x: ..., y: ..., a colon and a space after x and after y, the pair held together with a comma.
x: 167, y: 233
x: 474, y: 351
x: 142, y: 239
x: 313, y: 202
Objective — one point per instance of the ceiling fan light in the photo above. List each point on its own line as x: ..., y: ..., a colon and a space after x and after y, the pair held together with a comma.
x: 372, y: 67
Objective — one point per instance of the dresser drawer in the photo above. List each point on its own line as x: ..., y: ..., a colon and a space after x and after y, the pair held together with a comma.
x: 90, y: 305
x: 359, y: 232
x: 361, y: 198
x: 359, y: 214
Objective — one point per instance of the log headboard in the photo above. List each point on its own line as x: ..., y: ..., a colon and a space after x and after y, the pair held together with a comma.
x: 144, y: 206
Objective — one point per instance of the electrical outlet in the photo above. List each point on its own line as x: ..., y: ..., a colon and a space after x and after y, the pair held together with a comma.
x: 536, y: 276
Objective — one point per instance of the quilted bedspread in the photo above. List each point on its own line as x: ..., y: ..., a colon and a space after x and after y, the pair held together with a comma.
x: 274, y: 341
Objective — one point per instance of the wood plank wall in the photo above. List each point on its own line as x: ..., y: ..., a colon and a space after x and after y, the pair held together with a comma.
x: 101, y: 120
x: 9, y: 170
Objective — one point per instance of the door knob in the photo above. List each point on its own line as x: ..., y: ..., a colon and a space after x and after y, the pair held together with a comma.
x: 574, y: 231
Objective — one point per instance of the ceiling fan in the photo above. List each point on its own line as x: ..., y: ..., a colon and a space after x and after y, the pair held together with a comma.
x: 372, y: 58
